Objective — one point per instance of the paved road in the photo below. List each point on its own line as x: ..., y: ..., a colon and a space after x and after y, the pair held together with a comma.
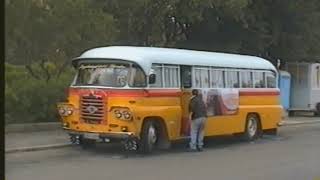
x: 293, y: 155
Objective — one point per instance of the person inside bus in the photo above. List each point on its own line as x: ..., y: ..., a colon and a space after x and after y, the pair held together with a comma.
x: 198, y: 116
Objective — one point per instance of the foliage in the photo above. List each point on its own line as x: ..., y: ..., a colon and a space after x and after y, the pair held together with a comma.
x: 31, y: 100
x: 42, y: 36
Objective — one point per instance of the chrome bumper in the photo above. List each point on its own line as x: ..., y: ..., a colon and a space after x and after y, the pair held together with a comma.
x: 108, y: 135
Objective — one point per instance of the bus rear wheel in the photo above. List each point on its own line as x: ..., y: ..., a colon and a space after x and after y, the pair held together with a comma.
x: 252, y: 128
x: 149, y: 137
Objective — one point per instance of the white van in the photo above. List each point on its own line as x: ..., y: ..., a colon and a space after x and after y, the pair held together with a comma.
x: 305, y: 87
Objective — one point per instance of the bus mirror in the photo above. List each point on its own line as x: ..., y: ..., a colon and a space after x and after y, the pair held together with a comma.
x: 152, y: 78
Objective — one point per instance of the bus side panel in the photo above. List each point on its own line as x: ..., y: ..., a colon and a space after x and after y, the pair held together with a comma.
x: 267, y: 107
x: 220, y: 125
x: 265, y: 104
x: 166, y: 108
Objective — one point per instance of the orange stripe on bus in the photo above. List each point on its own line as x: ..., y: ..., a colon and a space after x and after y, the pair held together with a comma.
x: 161, y: 92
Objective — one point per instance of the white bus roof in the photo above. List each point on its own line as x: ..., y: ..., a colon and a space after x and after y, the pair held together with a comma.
x: 146, y: 56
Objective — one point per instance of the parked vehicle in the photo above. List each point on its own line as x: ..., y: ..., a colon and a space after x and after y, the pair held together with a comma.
x: 285, y: 89
x: 305, y: 87
x: 140, y: 95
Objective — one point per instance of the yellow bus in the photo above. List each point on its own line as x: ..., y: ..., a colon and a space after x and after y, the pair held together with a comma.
x: 140, y: 96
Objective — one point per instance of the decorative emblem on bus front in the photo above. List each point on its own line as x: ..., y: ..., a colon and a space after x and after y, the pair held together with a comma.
x: 92, y: 109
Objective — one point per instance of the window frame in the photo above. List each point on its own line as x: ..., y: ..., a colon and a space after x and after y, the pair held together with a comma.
x: 263, y: 77
x: 211, y: 77
x: 226, y: 77
x: 266, y: 80
x: 163, y: 81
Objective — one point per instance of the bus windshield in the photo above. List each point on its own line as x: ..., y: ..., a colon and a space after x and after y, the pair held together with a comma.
x: 110, y: 75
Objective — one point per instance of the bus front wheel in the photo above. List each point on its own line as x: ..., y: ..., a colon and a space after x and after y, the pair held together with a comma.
x: 252, y: 128
x: 149, y: 137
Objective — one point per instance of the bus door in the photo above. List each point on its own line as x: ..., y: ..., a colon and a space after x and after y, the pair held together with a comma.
x: 186, y: 84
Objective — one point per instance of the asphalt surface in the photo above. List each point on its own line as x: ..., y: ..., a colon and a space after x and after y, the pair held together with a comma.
x: 292, y: 155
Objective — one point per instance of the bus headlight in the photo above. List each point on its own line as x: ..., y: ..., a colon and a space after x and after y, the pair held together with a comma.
x: 127, y: 115
x: 65, y: 109
x: 123, y: 114
x: 118, y: 114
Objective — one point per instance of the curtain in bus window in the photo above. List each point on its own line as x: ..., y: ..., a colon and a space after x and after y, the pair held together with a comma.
x: 216, y: 79
x: 258, y: 80
x: 232, y: 79
x: 158, y: 72
x: 271, y: 80
x: 204, y: 78
x: 197, y: 78
x: 171, y: 77
x: 246, y: 79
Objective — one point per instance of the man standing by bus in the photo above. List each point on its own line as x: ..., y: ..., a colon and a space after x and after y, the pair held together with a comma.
x: 198, y: 116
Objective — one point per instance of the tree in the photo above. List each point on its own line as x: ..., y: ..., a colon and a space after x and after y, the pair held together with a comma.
x: 42, y: 31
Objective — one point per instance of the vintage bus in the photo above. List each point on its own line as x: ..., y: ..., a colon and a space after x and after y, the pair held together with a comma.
x: 140, y: 96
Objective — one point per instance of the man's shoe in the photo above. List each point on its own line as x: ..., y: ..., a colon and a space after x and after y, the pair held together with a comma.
x: 200, y: 149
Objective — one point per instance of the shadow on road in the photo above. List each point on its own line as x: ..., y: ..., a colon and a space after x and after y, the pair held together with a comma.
x: 115, y: 150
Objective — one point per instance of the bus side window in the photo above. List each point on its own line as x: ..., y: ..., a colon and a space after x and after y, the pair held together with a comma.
x: 186, y: 76
x: 232, y: 79
x: 259, y: 81
x: 171, y: 76
x: 216, y: 78
x: 158, y: 70
x: 201, y: 76
x: 271, y: 80
x: 246, y: 79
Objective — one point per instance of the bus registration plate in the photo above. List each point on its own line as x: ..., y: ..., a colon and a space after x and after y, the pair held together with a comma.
x: 94, y: 136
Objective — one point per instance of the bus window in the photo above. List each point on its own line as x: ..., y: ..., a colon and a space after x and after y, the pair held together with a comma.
x: 110, y: 75
x: 186, y: 78
x: 258, y: 79
x: 271, y: 80
x: 171, y: 76
x: 246, y: 79
x: 216, y: 79
x: 158, y: 72
x: 201, y: 77
x: 138, y: 78
x: 232, y: 79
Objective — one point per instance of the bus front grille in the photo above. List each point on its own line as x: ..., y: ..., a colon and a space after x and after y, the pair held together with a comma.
x: 92, y: 109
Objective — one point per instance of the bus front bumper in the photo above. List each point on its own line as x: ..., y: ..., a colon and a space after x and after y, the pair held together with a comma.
x: 104, y: 137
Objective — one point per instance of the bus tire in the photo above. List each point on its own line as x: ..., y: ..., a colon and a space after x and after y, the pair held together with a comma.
x: 87, y: 143
x: 149, y: 137
x: 252, y: 128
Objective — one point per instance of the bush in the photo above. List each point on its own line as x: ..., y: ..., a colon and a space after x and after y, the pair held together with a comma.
x: 28, y: 99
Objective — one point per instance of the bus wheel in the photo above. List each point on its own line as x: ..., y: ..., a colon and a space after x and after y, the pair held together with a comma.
x: 252, y: 128
x: 87, y: 143
x: 149, y: 137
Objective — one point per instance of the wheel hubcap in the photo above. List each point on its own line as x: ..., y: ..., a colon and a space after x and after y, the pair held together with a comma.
x: 152, y: 135
x: 252, y: 127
